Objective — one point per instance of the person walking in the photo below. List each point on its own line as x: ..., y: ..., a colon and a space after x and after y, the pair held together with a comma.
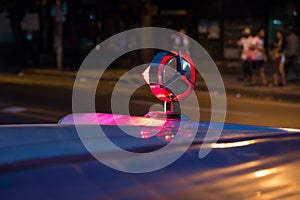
x: 257, y: 46
x: 278, y: 58
x: 244, y: 43
x: 181, y: 41
x: 292, y: 51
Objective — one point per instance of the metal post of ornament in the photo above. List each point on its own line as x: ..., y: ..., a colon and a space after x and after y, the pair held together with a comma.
x: 172, y: 109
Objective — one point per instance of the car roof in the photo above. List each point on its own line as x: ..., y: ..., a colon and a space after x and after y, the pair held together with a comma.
x: 51, y: 162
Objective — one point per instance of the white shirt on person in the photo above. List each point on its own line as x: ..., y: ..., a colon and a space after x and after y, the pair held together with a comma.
x: 258, y: 42
x: 181, y: 42
x: 245, y: 43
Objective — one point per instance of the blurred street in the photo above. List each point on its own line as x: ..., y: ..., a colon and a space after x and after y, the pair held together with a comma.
x: 44, y: 96
x: 44, y: 42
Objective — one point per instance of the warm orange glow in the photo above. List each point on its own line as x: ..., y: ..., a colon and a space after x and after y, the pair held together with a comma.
x: 265, y: 172
x: 232, y: 144
x: 290, y: 129
x: 169, y: 137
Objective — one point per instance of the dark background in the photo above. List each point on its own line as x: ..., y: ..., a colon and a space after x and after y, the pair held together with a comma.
x: 86, y: 23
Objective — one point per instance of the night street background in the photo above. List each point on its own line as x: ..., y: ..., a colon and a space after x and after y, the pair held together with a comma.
x: 57, y: 35
x: 33, y: 103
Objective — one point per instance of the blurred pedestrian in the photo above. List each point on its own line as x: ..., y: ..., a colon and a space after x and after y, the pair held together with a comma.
x: 244, y: 43
x: 257, y: 46
x: 278, y: 58
x: 292, y: 51
x: 181, y: 42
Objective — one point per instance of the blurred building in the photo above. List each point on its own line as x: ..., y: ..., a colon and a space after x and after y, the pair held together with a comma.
x: 215, y: 24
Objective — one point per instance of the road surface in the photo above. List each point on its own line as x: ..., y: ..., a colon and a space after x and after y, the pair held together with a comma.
x: 23, y: 104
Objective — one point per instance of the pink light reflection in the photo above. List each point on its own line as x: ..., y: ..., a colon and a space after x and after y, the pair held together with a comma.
x: 161, y: 128
x: 110, y: 119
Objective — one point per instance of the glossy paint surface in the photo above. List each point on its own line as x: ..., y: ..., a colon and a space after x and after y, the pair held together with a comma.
x: 247, y: 162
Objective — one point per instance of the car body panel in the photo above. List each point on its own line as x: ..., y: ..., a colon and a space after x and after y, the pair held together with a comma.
x: 247, y: 162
